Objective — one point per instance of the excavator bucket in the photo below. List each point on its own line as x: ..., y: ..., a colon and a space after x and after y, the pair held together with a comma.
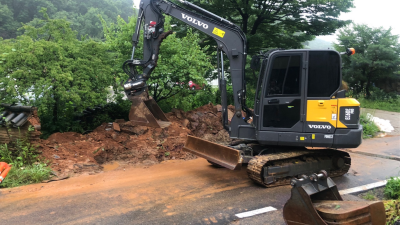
x: 316, y: 200
x: 147, y: 113
x: 219, y: 154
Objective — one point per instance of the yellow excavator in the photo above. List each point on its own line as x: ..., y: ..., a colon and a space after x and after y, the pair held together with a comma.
x: 300, y: 115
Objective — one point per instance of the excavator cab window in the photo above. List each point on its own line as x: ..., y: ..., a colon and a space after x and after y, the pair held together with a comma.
x: 261, y: 79
x: 323, y: 74
x: 285, y: 76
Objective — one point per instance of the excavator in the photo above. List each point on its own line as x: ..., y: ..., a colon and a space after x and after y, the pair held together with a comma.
x: 300, y: 116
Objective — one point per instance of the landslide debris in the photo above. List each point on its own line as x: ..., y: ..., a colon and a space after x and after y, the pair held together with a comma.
x: 71, y: 152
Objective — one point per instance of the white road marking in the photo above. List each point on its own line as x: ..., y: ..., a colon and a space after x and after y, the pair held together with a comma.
x: 364, y: 187
x: 255, y: 212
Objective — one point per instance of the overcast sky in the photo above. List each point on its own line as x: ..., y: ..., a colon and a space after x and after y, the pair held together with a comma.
x: 382, y: 13
x: 385, y: 13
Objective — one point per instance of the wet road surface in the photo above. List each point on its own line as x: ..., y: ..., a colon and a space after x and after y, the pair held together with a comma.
x: 174, y: 192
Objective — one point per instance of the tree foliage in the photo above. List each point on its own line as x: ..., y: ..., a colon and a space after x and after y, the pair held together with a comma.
x: 280, y: 23
x: 377, y: 56
x: 49, y: 67
x: 82, y: 15
x: 180, y: 60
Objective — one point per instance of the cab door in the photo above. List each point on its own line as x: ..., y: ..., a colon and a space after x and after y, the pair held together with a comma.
x: 282, y: 105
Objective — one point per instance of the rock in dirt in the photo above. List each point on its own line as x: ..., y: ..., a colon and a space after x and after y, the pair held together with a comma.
x: 116, y: 127
x: 132, y: 144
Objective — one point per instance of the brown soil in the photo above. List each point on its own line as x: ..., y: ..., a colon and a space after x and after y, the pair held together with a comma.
x: 34, y: 119
x: 71, y: 153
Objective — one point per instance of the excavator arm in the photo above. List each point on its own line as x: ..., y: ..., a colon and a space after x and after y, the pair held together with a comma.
x: 229, y: 37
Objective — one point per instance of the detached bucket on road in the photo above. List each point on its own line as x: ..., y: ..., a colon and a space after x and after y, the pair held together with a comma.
x: 316, y: 200
x: 218, y: 154
x: 147, y: 113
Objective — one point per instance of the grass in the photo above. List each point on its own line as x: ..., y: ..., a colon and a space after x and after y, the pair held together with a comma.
x: 27, y: 175
x: 369, y: 196
x: 369, y: 127
x: 392, y: 208
x: 392, y: 105
x: 27, y: 166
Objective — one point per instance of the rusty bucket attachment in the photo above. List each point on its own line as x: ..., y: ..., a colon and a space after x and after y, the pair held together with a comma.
x: 219, y: 154
x: 316, y: 200
x: 146, y: 112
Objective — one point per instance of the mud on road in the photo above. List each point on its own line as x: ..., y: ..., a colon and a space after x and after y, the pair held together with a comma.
x: 73, y: 153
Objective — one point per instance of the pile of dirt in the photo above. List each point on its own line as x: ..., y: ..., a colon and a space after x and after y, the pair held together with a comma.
x: 71, y: 153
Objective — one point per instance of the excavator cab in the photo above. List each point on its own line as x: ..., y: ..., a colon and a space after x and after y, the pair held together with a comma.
x: 298, y: 102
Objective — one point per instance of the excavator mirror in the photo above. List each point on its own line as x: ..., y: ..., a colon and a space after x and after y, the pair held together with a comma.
x: 255, y: 62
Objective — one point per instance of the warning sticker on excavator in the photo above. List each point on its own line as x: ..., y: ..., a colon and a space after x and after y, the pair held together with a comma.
x: 218, y: 32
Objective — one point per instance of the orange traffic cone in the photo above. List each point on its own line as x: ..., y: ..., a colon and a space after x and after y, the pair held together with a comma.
x: 4, y: 169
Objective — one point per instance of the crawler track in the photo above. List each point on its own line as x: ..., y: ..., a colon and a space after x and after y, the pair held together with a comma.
x: 255, y: 166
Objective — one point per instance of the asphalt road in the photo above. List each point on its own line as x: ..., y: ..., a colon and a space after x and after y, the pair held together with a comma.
x: 174, y: 192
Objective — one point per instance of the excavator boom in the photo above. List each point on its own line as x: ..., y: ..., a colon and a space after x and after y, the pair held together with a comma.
x: 229, y: 38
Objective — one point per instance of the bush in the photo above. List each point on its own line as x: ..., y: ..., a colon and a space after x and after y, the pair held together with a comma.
x: 392, y: 189
x: 188, y: 101
x: 392, y: 207
x: 369, y: 127
x: 380, y: 95
x: 19, y: 152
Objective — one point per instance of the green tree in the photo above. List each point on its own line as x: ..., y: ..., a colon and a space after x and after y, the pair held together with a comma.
x: 81, y: 14
x: 180, y: 60
x: 280, y: 23
x: 54, y: 70
x: 377, y: 56
x: 6, y: 21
